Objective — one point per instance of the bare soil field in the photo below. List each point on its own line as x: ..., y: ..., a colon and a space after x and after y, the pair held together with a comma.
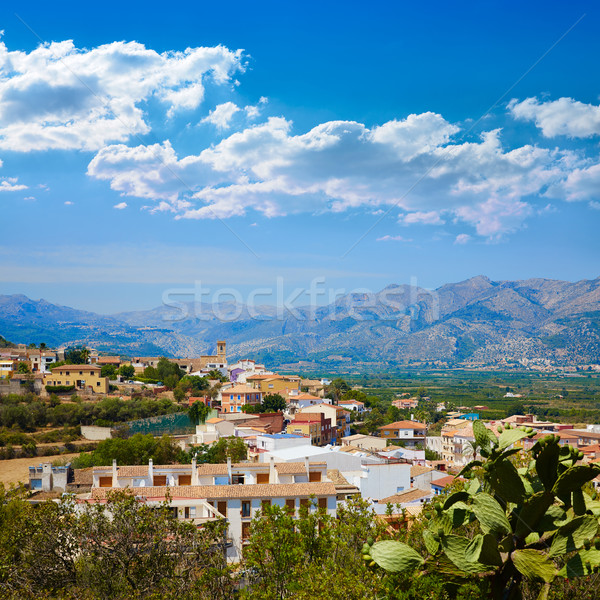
x: 17, y: 469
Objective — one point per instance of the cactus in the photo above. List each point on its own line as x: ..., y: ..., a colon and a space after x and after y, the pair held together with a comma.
x: 395, y: 556
x: 527, y: 518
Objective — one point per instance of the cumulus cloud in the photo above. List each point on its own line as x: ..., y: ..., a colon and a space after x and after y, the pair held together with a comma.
x: 120, y: 206
x: 10, y: 185
x: 564, y: 116
x: 68, y: 203
x: 462, y: 238
x: 431, y: 217
x: 61, y: 97
x: 393, y: 238
x: 413, y: 164
x: 222, y: 115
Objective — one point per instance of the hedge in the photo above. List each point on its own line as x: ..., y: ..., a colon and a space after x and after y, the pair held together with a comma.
x: 57, y: 389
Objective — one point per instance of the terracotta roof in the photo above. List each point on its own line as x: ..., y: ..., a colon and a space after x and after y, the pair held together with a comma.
x: 296, y: 468
x: 141, y: 470
x: 445, y: 481
x: 215, y: 420
x: 404, y: 425
x: 305, y: 396
x: 77, y: 368
x: 417, y: 470
x: 340, y: 482
x: 108, y: 359
x: 240, y: 389
x: 83, y: 476
x: 208, y: 469
x: 273, y: 490
x: 406, y: 496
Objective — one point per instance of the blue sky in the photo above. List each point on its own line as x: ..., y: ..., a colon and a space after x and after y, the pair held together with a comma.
x: 145, y: 147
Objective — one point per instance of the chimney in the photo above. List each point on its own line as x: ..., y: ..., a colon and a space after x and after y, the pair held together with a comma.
x: 229, y: 470
x: 272, y: 474
x: 115, y: 482
x: 151, y: 472
x: 306, y: 466
x: 194, y: 471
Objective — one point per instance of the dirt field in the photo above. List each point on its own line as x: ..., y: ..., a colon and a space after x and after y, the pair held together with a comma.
x: 17, y: 469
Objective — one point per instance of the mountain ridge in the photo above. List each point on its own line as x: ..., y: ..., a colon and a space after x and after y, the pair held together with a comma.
x: 475, y: 322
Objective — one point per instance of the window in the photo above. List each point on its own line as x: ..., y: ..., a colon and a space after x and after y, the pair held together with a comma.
x: 97, y: 383
x: 262, y: 478
x: 160, y: 480
x: 222, y: 507
x: 239, y: 478
x: 265, y: 504
x: 314, y: 476
x: 185, y: 480
x: 245, y: 530
x: 105, y: 482
x: 245, y: 509
x: 290, y: 504
x: 400, y: 488
x: 192, y: 512
x: 323, y: 503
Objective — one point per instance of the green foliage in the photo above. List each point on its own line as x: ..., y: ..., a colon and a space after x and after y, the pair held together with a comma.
x: 198, y: 412
x: 510, y: 527
x: 76, y: 355
x: 108, y: 371
x: 123, y: 549
x: 23, y: 368
x: 127, y: 371
x: 59, y: 389
x: 274, y: 403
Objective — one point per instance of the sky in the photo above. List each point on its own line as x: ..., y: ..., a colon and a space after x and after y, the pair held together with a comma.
x: 260, y: 149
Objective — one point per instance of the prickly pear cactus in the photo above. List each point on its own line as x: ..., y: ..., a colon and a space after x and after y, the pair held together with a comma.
x: 527, y: 518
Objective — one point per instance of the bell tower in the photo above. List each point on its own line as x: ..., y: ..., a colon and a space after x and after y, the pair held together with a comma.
x: 221, y: 353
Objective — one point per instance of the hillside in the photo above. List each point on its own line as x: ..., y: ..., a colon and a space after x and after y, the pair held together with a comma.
x: 474, y: 322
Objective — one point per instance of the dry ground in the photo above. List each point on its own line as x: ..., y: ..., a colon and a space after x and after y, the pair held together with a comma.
x: 17, y: 469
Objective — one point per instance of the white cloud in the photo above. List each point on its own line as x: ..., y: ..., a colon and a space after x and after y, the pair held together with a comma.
x: 222, y: 115
x: 10, y: 185
x: 580, y: 184
x: 61, y: 97
x: 393, y: 238
x: 431, y: 217
x: 68, y: 203
x: 462, y: 238
x: 32, y: 198
x: 120, y: 206
x: 342, y: 165
x: 595, y: 205
x: 564, y: 116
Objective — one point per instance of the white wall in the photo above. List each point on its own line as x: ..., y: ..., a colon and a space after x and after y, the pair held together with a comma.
x: 381, y: 481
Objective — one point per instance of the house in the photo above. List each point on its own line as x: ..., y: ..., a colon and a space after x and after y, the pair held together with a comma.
x: 233, y: 491
x: 340, y: 419
x: 368, y: 442
x: 275, y: 384
x: 85, y: 378
x: 114, y: 361
x: 48, y: 478
x: 277, y: 441
x: 40, y: 361
x: 313, y: 424
x: 237, y: 396
x: 353, y: 405
x: 410, y: 433
x: 303, y: 400
x: 405, y: 403
x: 408, y: 498
x: 421, y: 477
x: 439, y: 485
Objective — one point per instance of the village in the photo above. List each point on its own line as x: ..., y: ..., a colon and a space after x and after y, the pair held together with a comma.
x: 299, y: 446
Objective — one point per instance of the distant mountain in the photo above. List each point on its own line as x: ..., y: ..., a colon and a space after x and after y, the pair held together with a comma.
x: 475, y: 322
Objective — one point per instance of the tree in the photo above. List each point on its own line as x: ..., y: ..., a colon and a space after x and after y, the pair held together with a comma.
x: 109, y: 371
x: 194, y: 384
x: 228, y: 447
x: 509, y: 528
x: 274, y: 403
x: 515, y: 408
x: 179, y: 394
x: 23, y: 368
x: 198, y: 412
x: 216, y: 374
x: 312, y: 555
x: 127, y: 371
x: 76, y: 355
x: 165, y: 368
x: 336, y: 389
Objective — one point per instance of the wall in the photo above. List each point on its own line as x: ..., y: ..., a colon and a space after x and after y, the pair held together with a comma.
x: 91, y: 432
x: 381, y: 481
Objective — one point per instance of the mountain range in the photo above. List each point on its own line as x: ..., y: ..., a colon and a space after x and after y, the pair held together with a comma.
x: 477, y: 322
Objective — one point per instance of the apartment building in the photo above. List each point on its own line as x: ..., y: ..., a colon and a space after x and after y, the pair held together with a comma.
x: 236, y: 492
x: 313, y: 424
x: 340, y: 419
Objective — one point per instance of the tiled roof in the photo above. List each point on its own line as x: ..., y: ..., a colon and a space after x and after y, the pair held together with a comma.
x: 406, y: 496
x: 83, y: 476
x: 296, y: 468
x: 340, y: 482
x: 209, y: 469
x: 417, y: 470
x: 76, y: 368
x: 444, y: 481
x: 274, y: 490
x: 404, y: 425
x: 240, y: 389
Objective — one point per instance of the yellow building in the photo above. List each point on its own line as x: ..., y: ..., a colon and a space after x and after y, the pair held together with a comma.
x: 85, y: 378
x: 275, y: 384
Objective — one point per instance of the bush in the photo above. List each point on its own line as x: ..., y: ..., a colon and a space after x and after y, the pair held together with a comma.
x: 59, y: 389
